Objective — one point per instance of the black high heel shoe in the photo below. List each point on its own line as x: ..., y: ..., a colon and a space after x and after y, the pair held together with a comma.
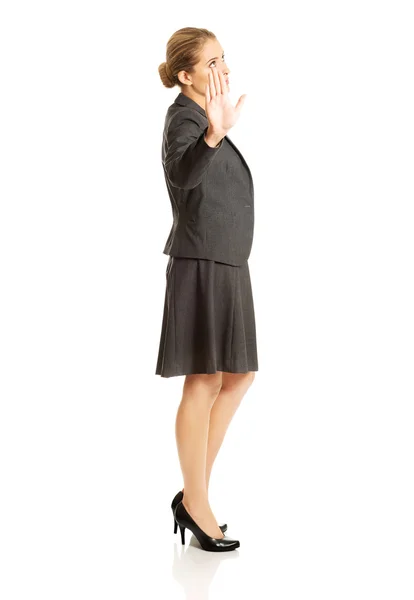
x: 177, y: 498
x: 184, y: 519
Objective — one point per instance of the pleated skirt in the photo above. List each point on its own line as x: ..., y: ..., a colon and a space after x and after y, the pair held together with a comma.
x: 208, y: 322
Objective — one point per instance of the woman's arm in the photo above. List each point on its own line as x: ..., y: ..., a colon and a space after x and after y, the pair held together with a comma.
x: 189, y: 150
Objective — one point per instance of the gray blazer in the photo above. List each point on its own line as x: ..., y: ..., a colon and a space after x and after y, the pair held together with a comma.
x: 210, y: 189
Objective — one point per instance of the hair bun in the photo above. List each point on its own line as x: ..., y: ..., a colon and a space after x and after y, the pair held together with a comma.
x: 168, y: 71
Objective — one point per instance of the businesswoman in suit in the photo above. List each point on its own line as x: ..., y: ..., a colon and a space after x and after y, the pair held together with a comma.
x: 208, y: 330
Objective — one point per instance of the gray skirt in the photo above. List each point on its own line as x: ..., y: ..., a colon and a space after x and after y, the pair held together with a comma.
x: 208, y: 322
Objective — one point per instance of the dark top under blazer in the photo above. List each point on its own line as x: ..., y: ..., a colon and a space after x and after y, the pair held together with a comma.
x: 210, y: 189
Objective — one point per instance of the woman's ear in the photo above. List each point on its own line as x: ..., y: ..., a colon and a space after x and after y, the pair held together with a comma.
x: 183, y: 77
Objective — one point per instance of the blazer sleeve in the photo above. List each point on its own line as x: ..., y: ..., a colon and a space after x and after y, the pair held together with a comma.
x: 187, y: 155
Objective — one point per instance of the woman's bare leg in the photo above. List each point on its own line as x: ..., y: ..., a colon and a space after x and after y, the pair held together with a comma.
x: 192, y: 430
x: 234, y: 387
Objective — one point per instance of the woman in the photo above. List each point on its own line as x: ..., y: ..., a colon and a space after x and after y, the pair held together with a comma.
x: 208, y: 330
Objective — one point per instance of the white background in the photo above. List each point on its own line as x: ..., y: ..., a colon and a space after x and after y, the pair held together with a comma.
x: 315, y: 476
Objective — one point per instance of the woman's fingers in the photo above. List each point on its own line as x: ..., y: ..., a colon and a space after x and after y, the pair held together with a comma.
x: 223, y: 83
x: 211, y: 83
x: 240, y: 103
x: 208, y: 97
x: 217, y: 81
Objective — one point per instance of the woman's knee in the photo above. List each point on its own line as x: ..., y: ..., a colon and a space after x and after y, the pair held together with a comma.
x: 237, y: 381
x: 209, y: 384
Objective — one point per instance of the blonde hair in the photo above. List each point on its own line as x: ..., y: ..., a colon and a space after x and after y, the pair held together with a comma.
x: 183, y: 53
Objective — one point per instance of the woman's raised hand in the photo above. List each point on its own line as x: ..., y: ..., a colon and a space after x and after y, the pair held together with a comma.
x: 221, y: 114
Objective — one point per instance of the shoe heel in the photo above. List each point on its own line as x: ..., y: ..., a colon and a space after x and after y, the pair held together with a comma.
x: 182, y: 531
x: 175, y: 526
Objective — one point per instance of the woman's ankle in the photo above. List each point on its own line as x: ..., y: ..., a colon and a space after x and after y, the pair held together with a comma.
x: 196, y: 502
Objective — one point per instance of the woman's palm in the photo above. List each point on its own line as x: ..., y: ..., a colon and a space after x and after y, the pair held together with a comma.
x: 221, y: 114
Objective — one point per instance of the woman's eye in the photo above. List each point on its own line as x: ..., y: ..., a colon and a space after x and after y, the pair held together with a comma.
x: 212, y: 63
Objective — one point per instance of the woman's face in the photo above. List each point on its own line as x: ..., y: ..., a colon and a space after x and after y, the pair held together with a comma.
x: 211, y: 57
